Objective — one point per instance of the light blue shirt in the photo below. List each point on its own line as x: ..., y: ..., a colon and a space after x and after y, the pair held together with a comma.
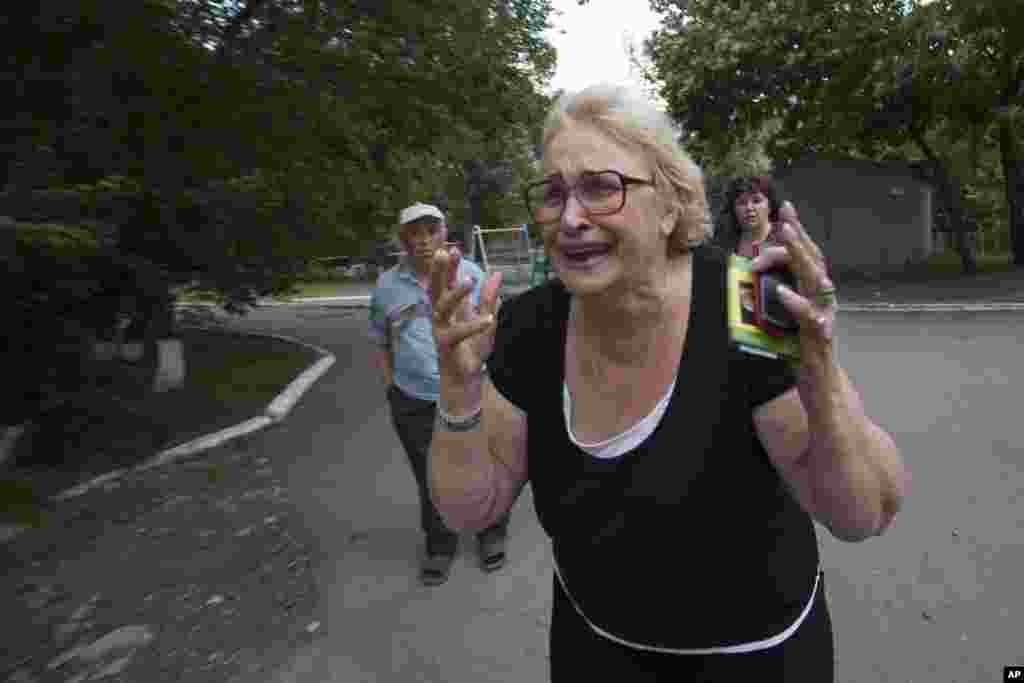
x: 400, y: 314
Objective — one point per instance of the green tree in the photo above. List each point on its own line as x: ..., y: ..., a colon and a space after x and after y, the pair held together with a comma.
x: 228, y: 141
x: 860, y: 79
x: 331, y: 114
x: 970, y: 62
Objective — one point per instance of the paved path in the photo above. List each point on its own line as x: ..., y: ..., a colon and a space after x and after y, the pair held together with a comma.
x: 937, y: 599
x: 347, y: 473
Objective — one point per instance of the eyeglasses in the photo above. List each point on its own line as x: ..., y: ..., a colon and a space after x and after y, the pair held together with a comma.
x: 601, y: 193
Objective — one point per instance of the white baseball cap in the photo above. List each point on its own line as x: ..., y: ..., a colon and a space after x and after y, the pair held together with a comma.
x: 418, y: 211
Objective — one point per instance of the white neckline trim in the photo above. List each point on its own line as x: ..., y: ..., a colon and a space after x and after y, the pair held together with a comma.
x: 739, y: 648
x: 620, y: 444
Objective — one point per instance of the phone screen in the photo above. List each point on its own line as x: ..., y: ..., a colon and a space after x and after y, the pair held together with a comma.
x: 771, y: 310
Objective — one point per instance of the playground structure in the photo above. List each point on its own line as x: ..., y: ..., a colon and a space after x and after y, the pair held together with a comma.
x: 510, y: 251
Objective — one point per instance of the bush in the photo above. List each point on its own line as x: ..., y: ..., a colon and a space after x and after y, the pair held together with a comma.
x: 67, y: 290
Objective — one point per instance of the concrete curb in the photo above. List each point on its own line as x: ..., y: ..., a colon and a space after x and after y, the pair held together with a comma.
x: 872, y: 307
x: 865, y: 307
x: 276, y: 411
x: 339, y: 301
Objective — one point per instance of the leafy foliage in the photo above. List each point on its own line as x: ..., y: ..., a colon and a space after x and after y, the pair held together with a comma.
x: 224, y: 143
x: 874, y: 80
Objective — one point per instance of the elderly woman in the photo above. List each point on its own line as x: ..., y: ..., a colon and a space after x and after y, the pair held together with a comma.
x: 751, y: 208
x: 677, y: 478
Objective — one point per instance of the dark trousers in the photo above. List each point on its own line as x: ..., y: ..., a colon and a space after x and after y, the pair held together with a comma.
x: 414, y: 422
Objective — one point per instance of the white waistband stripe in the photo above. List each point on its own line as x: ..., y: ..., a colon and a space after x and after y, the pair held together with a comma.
x: 739, y: 648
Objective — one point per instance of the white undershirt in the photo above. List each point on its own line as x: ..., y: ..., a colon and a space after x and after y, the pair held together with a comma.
x: 617, y: 446
x: 626, y: 441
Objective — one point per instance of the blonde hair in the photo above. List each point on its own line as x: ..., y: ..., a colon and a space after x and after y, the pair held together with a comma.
x: 628, y: 117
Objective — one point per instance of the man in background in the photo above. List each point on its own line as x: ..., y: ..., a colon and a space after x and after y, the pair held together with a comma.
x: 400, y: 313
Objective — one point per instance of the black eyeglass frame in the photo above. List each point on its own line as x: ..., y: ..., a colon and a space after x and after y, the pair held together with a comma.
x: 624, y: 180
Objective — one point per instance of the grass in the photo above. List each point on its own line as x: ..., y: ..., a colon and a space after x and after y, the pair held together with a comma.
x: 243, y: 372
x: 948, y: 264
x: 313, y: 289
x: 943, y: 266
x: 229, y: 378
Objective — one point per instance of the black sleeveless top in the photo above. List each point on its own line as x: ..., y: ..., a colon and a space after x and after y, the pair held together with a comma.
x: 691, y: 540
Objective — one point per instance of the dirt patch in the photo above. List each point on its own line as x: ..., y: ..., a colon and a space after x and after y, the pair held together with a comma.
x: 199, y: 571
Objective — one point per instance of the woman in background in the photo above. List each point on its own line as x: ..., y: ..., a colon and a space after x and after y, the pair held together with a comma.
x: 751, y: 209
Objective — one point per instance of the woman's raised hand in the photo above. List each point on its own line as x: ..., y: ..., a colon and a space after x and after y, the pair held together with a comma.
x: 464, y: 334
x: 814, y: 305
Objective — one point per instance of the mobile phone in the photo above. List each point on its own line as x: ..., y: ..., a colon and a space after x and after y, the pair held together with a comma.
x: 771, y: 312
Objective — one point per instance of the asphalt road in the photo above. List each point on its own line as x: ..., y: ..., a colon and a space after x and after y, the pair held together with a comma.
x: 938, y: 598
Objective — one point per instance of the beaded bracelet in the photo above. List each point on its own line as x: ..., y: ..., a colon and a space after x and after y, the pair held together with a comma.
x: 463, y: 423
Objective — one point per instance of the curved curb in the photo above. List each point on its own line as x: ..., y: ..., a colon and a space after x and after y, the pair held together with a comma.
x: 276, y: 411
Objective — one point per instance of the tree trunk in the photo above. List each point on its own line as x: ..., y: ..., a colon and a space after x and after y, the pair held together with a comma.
x: 948, y: 189
x: 1013, y: 173
x: 966, y: 247
x: 9, y: 436
x: 170, y: 365
x: 473, y: 174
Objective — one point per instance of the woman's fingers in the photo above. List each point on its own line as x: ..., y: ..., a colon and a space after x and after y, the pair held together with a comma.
x: 454, y: 320
x: 771, y: 257
x: 801, y: 261
x: 793, y: 253
x: 446, y: 295
x: 454, y: 303
x: 454, y: 256
x: 787, y: 213
x: 798, y: 253
x: 438, y: 276
x: 456, y: 333
x: 489, y: 294
x: 806, y: 314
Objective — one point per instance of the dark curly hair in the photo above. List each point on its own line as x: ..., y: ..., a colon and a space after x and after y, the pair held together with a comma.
x: 729, y: 230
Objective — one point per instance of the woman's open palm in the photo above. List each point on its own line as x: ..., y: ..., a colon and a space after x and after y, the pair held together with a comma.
x: 464, y: 334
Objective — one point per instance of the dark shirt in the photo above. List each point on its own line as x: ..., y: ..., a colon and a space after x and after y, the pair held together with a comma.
x: 690, y: 540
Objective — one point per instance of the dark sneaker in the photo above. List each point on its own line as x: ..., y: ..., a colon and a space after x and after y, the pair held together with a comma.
x: 437, y: 564
x: 492, y: 550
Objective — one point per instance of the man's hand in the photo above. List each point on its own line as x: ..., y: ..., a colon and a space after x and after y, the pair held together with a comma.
x: 384, y: 361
